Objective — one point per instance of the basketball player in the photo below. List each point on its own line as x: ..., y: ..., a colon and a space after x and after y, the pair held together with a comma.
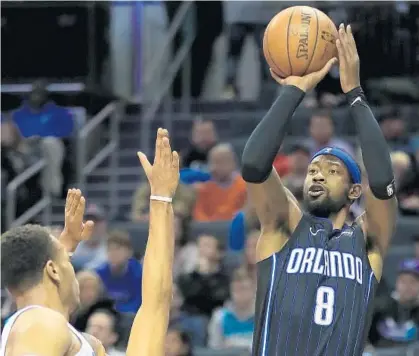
x: 36, y: 269
x: 316, y: 280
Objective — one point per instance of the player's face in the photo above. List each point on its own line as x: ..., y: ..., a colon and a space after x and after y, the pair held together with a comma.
x: 68, y: 286
x: 327, y: 187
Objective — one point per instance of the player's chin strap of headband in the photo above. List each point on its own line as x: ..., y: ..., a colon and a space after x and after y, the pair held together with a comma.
x: 374, y: 147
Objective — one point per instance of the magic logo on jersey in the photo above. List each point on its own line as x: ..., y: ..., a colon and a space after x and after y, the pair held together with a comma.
x: 328, y: 263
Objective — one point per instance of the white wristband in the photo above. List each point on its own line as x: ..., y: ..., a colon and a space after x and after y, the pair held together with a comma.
x: 159, y: 198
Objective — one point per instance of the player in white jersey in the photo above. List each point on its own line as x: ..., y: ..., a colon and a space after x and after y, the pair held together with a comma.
x: 36, y: 269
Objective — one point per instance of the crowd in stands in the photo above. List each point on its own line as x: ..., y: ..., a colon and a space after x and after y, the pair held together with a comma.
x: 214, y: 294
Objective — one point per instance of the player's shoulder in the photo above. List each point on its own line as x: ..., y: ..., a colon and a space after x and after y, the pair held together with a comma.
x: 41, y: 318
x: 42, y: 322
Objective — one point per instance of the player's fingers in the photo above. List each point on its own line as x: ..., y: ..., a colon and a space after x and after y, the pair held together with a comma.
x: 87, y: 231
x: 80, y: 207
x: 76, y: 201
x: 327, y: 67
x: 166, y: 151
x: 144, y: 162
x: 68, y: 200
x: 157, y: 152
x: 354, y: 51
x: 175, y: 160
x: 341, y: 54
x: 277, y: 78
x: 343, y: 40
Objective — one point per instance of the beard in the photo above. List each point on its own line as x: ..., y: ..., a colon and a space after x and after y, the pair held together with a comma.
x: 324, y: 206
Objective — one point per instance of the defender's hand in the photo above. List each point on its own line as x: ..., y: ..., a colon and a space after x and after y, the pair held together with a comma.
x: 348, y: 59
x: 163, y: 175
x: 307, y: 82
x: 74, y: 229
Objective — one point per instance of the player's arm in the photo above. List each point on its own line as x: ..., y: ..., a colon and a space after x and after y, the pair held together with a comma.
x: 39, y: 332
x: 148, y: 333
x: 277, y: 208
x: 380, y: 199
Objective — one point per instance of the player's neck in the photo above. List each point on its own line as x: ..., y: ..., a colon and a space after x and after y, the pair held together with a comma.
x: 339, y: 219
x: 40, y: 295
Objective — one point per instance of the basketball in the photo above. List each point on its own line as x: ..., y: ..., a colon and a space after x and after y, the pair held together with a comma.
x: 299, y: 40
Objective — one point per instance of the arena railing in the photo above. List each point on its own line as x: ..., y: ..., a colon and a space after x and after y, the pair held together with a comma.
x: 42, y: 205
x: 183, y: 21
x: 86, y: 166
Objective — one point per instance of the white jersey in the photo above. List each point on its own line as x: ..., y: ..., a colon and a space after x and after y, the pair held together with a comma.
x: 85, y: 350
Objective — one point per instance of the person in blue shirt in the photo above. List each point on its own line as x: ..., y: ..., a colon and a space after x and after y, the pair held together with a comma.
x: 122, y: 274
x: 40, y: 117
x: 44, y: 124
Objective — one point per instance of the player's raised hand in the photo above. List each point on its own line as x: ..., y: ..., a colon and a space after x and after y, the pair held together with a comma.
x: 306, y: 82
x: 348, y: 59
x: 163, y: 175
x: 75, y: 230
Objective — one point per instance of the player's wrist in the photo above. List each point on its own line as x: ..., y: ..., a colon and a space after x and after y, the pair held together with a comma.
x: 353, y: 94
x: 161, y: 198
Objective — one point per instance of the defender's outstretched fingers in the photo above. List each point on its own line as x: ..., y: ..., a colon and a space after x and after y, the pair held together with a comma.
x: 157, y: 153
x: 81, y: 207
x: 167, y: 152
x: 87, y: 231
x: 69, y: 200
x: 175, y: 160
x: 76, y: 200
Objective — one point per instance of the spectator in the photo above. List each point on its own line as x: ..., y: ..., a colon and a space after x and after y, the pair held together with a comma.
x: 17, y: 156
x: 204, y: 137
x: 92, y: 253
x: 183, y: 201
x: 403, y: 171
x: 299, y: 160
x: 186, y: 253
x: 194, y: 325
x: 178, y: 343
x: 102, y: 324
x: 242, y: 221
x: 393, y: 127
x: 396, y: 318
x: 225, y: 194
x: 122, y: 274
x: 232, y: 326
x: 45, y: 123
x: 91, y: 293
x: 244, y: 18
x: 207, y: 286
x: 322, y: 134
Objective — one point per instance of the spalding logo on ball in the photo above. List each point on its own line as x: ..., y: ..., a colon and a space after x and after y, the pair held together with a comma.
x: 299, y: 40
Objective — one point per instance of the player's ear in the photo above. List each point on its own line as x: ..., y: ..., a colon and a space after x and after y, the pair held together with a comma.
x: 51, y: 269
x: 355, y: 192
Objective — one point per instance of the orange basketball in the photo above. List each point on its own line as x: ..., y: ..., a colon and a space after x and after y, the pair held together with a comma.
x: 299, y: 40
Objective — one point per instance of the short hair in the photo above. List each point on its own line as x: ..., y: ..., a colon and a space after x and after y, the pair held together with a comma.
x: 120, y: 238
x: 240, y: 274
x: 112, y: 314
x: 25, y: 250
